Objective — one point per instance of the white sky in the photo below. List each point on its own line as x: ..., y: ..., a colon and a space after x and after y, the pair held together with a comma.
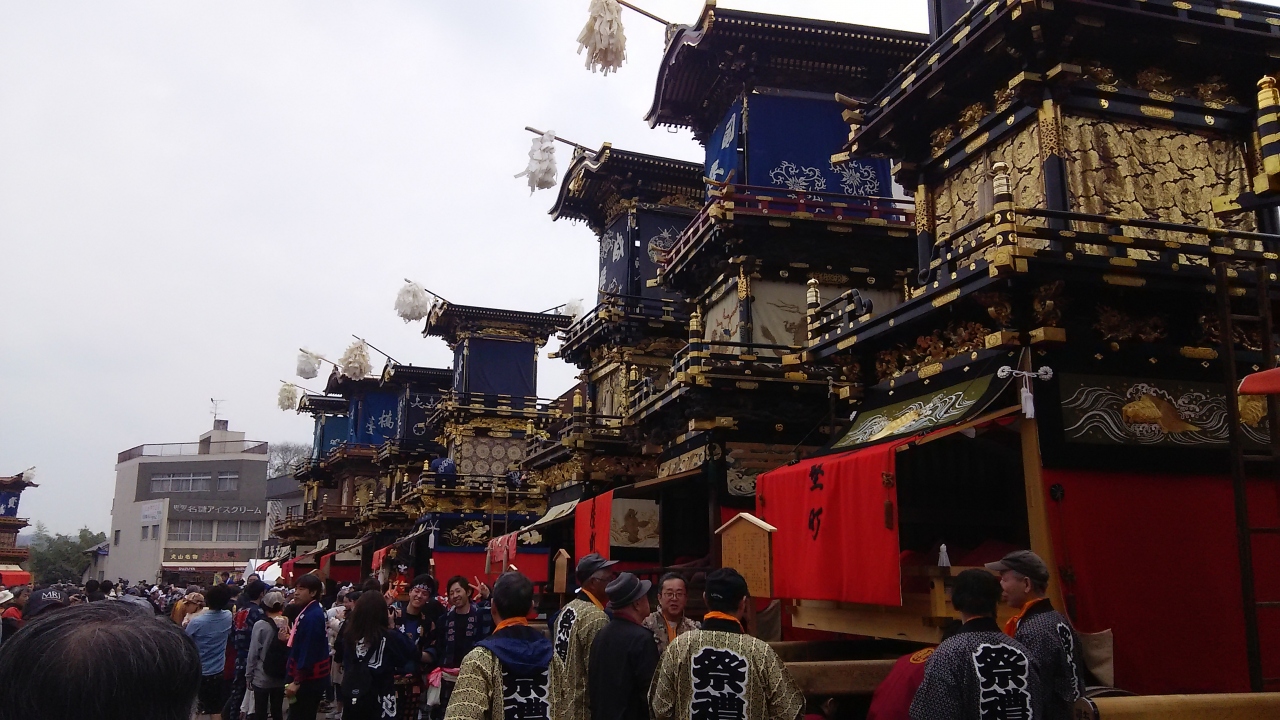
x: 189, y: 191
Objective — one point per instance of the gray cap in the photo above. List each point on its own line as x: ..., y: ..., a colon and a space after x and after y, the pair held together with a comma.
x: 590, y: 565
x: 626, y: 589
x: 1023, y: 562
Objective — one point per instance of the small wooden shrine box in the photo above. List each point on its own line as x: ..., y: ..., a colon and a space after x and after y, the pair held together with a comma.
x: 746, y: 546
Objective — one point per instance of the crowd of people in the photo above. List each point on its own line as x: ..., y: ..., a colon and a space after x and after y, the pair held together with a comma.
x: 246, y: 650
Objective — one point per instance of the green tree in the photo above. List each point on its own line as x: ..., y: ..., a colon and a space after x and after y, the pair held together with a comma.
x: 60, y: 558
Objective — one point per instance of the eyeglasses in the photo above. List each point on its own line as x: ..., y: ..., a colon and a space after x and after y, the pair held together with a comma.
x: 673, y: 594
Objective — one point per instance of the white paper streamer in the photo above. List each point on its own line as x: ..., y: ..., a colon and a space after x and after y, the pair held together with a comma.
x: 288, y: 397
x: 355, y: 363
x: 412, y: 302
x: 603, y: 38
x: 308, y: 365
x: 542, y: 162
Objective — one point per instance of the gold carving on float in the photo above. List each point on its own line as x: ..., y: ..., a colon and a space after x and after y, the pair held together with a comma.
x: 946, y: 297
x: 977, y: 142
x: 1156, y: 112
x: 1198, y: 353
x: 939, y: 346
x: 1152, y: 409
x: 1003, y: 98
x: 1048, y: 303
x: 1130, y: 170
x: 940, y: 138
x: 956, y: 199
x: 1117, y: 327
x: 1213, y: 92
x: 971, y: 116
x: 1253, y: 409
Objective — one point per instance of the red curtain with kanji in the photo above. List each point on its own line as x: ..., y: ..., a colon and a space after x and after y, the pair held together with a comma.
x: 591, y: 520
x: 837, y: 535
x: 1153, y: 558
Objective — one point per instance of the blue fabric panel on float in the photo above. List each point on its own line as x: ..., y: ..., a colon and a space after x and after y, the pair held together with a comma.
x: 723, y: 146
x: 615, y: 259
x: 501, y: 367
x: 331, y: 431
x: 375, y: 418
x: 657, y: 233
x: 789, y: 144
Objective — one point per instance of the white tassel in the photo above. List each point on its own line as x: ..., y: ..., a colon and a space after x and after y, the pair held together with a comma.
x: 573, y: 309
x: 355, y: 363
x: 29, y: 474
x: 1028, y: 400
x: 412, y: 302
x: 603, y: 38
x: 308, y: 365
x: 542, y: 162
x: 288, y: 397
x: 944, y: 560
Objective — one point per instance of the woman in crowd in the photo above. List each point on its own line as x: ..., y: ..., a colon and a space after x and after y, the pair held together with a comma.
x: 371, y: 654
x: 466, y: 624
x: 268, y: 658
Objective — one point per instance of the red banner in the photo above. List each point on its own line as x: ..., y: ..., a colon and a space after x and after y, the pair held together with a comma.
x: 591, y: 526
x: 1153, y: 558
x: 837, y: 535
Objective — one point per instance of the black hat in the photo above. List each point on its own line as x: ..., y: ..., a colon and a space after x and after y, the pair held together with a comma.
x: 592, y: 564
x: 626, y: 589
x: 42, y: 600
x: 726, y: 586
x: 1023, y: 562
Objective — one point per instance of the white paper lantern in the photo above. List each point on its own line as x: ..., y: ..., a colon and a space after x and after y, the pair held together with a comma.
x: 573, y: 309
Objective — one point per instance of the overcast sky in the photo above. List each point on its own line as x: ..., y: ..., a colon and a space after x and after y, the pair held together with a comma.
x: 190, y: 190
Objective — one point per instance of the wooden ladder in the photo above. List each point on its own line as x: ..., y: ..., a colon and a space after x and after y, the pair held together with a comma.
x: 1240, y: 460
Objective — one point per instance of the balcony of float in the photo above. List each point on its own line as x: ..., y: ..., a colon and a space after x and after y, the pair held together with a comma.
x: 1033, y: 245
x: 731, y: 366
x: 778, y: 207
x: 621, y: 321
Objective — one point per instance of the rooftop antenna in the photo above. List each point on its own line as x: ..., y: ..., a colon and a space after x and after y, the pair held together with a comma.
x: 215, y: 407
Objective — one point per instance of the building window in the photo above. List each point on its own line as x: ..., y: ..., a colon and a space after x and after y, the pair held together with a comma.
x: 239, y: 530
x: 181, y: 482
x: 155, y: 532
x: 145, y: 528
x: 190, y: 530
x: 228, y: 481
x: 116, y: 540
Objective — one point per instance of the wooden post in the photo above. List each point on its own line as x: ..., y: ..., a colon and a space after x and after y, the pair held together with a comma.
x: 1038, y: 509
x: 560, y: 578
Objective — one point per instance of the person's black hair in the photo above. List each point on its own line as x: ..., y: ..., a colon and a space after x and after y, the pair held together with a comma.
x: 354, y: 596
x: 672, y: 576
x: 976, y: 592
x: 91, y: 586
x: 368, y: 622
x: 512, y: 595
x: 312, y: 583
x: 106, y: 586
x: 255, y: 590
x: 457, y: 579
x: 217, y: 597
x: 371, y: 585
x: 111, y: 661
x: 428, y: 580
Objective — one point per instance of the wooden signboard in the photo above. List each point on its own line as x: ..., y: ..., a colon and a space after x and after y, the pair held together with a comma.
x: 560, y: 580
x: 746, y: 546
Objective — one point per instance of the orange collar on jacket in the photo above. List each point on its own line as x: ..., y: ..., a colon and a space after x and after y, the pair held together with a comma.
x: 1011, y: 626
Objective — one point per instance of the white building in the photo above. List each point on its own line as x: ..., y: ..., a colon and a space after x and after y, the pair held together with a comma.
x: 185, y: 511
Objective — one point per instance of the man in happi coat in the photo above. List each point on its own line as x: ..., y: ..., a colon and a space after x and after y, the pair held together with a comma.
x: 669, y: 621
x: 979, y: 673
x: 506, y: 676
x: 720, y: 672
x: 573, y: 631
x: 1054, y: 645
